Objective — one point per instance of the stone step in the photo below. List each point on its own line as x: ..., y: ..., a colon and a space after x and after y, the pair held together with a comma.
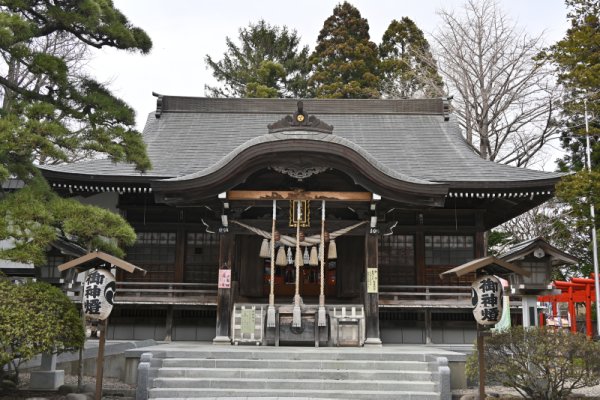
x: 274, y: 353
x: 278, y: 373
x: 293, y: 384
x: 180, y: 394
x: 295, y: 364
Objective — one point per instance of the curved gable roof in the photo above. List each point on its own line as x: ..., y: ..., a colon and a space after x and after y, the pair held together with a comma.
x: 409, y: 140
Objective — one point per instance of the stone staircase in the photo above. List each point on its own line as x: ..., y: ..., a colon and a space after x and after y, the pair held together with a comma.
x: 314, y: 373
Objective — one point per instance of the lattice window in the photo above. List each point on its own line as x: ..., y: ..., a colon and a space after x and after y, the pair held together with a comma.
x: 448, y: 249
x: 155, y: 252
x: 397, y: 260
x: 50, y: 270
x: 201, y: 257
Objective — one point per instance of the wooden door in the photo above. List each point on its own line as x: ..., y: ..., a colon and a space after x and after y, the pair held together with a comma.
x: 350, y: 265
x: 250, y: 265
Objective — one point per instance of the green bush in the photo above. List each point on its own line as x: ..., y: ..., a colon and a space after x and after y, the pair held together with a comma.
x: 35, y: 318
x: 540, y: 363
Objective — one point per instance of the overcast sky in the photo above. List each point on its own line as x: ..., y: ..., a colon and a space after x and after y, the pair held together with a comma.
x: 185, y: 31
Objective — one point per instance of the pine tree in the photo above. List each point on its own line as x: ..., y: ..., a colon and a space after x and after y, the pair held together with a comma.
x: 267, y: 62
x: 345, y: 61
x: 408, y: 69
x: 50, y: 112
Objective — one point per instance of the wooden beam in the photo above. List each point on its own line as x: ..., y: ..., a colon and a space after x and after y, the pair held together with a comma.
x: 298, y: 195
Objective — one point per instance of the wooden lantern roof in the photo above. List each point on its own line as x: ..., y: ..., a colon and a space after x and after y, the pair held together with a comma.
x: 490, y: 265
x: 97, y: 259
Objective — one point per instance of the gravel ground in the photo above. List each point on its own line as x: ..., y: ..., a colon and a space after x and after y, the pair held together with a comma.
x: 111, y: 384
x: 592, y: 392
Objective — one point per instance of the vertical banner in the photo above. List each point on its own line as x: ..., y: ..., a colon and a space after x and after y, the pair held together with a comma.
x: 224, y: 279
x: 486, y: 298
x: 372, y: 280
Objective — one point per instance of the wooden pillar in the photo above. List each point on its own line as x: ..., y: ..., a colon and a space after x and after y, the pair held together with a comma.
x: 420, y: 257
x: 224, y: 294
x: 428, y: 330
x: 180, y: 255
x: 371, y: 299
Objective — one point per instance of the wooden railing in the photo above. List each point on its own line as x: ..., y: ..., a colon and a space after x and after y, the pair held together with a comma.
x: 158, y: 293
x: 414, y: 296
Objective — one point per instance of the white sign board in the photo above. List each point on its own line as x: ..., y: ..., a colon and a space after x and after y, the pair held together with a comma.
x: 98, y: 294
x: 486, y: 297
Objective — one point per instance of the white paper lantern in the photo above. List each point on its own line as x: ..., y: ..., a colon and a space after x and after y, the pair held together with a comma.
x: 98, y: 294
x: 487, y: 301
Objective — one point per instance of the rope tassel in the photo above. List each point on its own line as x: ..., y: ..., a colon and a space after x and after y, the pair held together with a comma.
x: 264, y: 249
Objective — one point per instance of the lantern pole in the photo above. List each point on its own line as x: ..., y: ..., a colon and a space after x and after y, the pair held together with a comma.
x: 102, y: 328
x: 588, y: 151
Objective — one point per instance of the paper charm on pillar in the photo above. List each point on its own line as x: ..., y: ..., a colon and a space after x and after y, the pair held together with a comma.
x: 281, y: 259
x: 264, y: 249
x: 98, y: 294
x: 486, y: 298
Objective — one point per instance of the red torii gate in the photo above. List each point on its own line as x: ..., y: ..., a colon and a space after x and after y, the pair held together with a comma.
x: 578, y: 290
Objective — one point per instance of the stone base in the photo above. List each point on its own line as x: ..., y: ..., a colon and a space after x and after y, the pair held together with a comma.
x: 222, y: 340
x: 47, y: 380
x: 376, y: 342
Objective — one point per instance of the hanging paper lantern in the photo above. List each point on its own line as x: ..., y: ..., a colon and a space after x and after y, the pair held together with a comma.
x: 290, y: 259
x: 264, y: 249
x: 98, y: 294
x: 281, y: 260
x: 313, y: 260
x: 332, y: 253
x: 486, y: 298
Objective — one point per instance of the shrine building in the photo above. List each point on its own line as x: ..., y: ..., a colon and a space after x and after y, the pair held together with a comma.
x: 279, y: 221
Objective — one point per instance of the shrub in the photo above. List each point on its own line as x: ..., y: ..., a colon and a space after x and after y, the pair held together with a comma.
x: 35, y: 318
x: 540, y: 363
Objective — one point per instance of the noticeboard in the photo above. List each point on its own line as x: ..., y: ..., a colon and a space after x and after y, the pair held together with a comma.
x: 372, y: 280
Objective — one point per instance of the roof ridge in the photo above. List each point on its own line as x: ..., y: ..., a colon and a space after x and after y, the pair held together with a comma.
x: 173, y: 104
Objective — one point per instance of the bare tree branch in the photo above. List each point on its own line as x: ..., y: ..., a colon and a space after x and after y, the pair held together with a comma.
x: 503, y: 98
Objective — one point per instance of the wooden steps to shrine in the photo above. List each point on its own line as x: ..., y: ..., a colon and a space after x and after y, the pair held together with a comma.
x: 297, y: 372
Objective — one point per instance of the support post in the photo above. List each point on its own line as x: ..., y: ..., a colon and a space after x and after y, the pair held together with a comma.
x: 224, y: 294
x: 371, y: 299
x: 530, y: 315
x: 428, y: 326
x: 100, y: 358
x: 169, y: 324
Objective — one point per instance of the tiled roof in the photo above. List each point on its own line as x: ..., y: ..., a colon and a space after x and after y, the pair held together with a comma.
x: 407, y: 139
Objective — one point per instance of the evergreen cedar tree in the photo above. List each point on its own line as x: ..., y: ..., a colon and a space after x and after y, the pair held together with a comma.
x: 577, y: 58
x: 267, y: 62
x: 345, y: 61
x: 407, y: 67
x: 64, y: 114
